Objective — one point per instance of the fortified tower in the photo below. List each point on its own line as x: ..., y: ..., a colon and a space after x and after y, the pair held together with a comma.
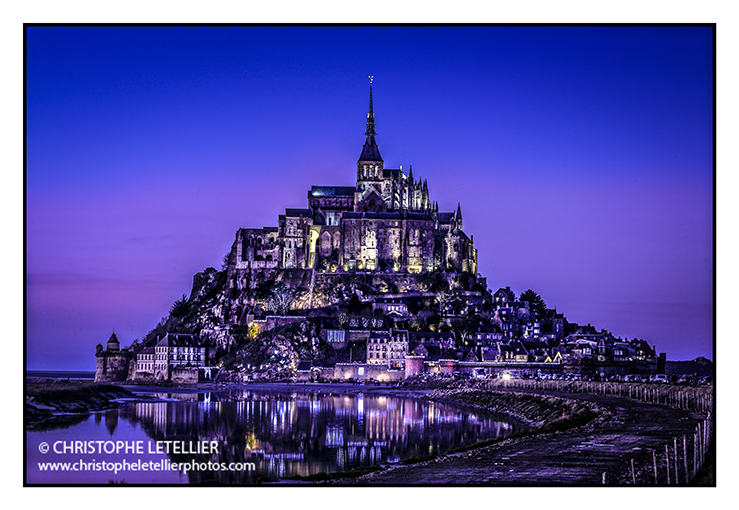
x: 112, y: 364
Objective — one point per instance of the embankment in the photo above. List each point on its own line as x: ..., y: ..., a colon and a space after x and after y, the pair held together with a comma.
x: 540, y: 412
x: 597, y: 441
x: 44, y: 401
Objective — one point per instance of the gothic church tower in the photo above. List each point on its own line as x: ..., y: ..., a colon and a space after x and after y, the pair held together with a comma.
x: 370, y: 177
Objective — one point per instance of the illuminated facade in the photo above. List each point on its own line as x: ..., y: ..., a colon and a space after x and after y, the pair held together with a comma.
x: 388, y: 348
x: 177, y: 350
x: 386, y: 222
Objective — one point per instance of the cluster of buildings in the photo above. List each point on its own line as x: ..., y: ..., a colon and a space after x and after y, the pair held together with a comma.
x: 176, y: 357
x: 507, y: 337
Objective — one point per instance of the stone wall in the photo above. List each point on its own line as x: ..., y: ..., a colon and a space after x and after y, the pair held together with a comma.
x: 366, y: 371
x: 139, y: 376
x: 519, y: 370
x: 112, y: 366
x: 275, y: 321
x: 357, y: 335
x: 414, y: 365
x: 448, y: 366
x: 185, y: 375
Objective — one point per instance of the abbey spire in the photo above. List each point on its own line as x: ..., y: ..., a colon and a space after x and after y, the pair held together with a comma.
x: 386, y: 222
x: 370, y: 116
x: 370, y: 164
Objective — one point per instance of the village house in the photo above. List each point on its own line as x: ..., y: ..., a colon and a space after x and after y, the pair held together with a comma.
x: 177, y: 350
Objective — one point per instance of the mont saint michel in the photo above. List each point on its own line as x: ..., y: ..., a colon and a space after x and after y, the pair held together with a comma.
x: 369, y: 256
x: 368, y: 282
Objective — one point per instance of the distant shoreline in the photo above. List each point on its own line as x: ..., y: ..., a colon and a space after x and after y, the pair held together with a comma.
x: 60, y: 375
x: 344, y: 389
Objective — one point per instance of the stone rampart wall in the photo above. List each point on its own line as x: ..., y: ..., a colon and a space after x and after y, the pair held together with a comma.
x: 184, y: 375
x: 111, y: 367
x: 367, y: 371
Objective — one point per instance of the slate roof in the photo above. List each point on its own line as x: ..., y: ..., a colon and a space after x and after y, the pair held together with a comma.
x: 470, y: 356
x: 517, y: 347
x: 179, y: 340
x: 332, y: 191
x: 431, y: 336
x: 488, y: 328
x: 489, y: 354
x: 435, y: 353
x: 305, y: 365
x: 384, y: 335
x: 534, y: 344
x: 446, y: 218
x: 370, y: 150
x: 293, y: 213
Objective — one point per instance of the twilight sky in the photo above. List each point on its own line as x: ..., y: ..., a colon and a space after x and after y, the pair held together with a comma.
x: 582, y: 158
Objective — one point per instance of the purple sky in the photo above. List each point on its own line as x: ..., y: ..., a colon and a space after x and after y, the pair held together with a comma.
x: 582, y: 157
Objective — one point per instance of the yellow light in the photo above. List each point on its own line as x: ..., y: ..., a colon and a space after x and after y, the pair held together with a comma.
x: 506, y: 376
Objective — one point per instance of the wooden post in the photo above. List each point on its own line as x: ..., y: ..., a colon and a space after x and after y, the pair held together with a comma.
x: 677, y: 473
x: 685, y: 459
x: 604, y: 478
x: 695, y: 453
x: 706, y: 433
x: 667, y: 462
x: 633, y: 475
x: 701, y: 445
x: 654, y: 461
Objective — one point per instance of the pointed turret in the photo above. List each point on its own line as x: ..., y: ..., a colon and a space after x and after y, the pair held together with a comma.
x: 458, y: 217
x: 113, y: 343
x: 370, y: 131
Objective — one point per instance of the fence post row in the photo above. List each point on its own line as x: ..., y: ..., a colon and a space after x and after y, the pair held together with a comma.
x: 689, y: 399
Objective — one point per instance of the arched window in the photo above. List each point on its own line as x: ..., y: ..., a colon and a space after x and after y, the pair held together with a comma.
x: 325, y: 244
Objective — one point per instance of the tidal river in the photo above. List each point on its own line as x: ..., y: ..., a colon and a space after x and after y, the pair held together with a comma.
x: 245, y: 436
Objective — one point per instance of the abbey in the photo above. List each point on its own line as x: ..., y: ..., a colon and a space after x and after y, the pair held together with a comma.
x: 386, y: 223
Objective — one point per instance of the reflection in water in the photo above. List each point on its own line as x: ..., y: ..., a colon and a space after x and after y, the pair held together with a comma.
x: 303, y: 433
